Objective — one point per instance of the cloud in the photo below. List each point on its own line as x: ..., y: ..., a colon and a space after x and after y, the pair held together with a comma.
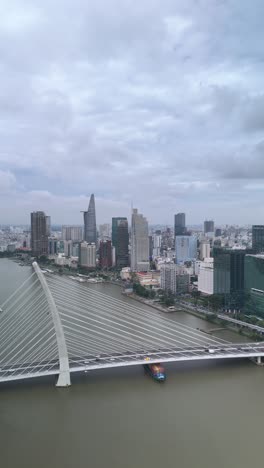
x: 155, y: 102
x: 7, y: 181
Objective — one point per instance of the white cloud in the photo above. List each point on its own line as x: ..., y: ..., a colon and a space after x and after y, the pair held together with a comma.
x: 7, y: 181
x: 158, y: 101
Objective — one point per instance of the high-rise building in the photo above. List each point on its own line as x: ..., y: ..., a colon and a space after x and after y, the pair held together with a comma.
x: 208, y: 226
x: 179, y: 224
x: 53, y: 250
x: 174, y: 278
x: 90, y: 222
x: 258, y: 238
x: 68, y: 248
x: 150, y: 246
x: 105, y: 254
x: 87, y: 255
x: 183, y: 283
x: 206, y: 276
x: 121, y: 247
x: 26, y: 242
x: 76, y: 249
x: 139, y: 242
x: 221, y: 271
x: 254, y: 284
x: 157, y: 245
x: 218, y: 232
x: 121, y: 239
x: 39, y: 237
x: 115, y: 224
x: 229, y: 272
x: 60, y: 247
x: 104, y: 231
x: 157, y: 241
x: 185, y: 248
x: 48, y: 225
x: 237, y: 269
x: 204, y: 249
x: 72, y: 233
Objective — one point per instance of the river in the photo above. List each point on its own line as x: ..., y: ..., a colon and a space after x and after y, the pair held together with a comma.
x: 207, y: 415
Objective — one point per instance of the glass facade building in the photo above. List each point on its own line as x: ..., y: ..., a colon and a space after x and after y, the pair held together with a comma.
x: 89, y: 216
x: 120, y: 241
x: 254, y: 285
x: 185, y: 249
x: 221, y: 271
x: 115, y: 224
x: 208, y: 226
x: 105, y: 254
x: 229, y: 275
x: 237, y: 262
x: 139, y: 242
x: 258, y: 238
x: 179, y: 224
x: 39, y: 236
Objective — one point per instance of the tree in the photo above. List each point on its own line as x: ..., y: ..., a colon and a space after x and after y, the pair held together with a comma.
x: 216, y: 301
x: 169, y: 301
x: 140, y: 290
x: 43, y: 259
x: 152, y: 294
x: 196, y: 295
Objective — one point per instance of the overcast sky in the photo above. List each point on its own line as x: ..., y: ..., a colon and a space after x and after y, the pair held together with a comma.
x: 159, y: 102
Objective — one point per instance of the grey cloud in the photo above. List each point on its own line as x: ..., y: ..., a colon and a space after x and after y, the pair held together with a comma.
x: 159, y: 102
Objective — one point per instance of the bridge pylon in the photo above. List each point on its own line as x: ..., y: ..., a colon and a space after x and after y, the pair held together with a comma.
x: 64, y: 379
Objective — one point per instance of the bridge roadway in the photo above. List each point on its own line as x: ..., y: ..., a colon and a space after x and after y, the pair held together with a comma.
x: 103, y: 361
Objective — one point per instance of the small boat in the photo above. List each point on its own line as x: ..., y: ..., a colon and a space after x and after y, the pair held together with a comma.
x: 155, y: 371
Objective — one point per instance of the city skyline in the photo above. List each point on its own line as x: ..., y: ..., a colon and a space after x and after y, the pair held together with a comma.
x: 119, y: 118
x: 95, y: 225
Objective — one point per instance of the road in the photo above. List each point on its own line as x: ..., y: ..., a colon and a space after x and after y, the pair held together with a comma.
x: 204, y: 311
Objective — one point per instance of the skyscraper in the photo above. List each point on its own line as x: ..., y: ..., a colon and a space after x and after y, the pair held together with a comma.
x: 179, y: 224
x: 204, y: 250
x: 229, y: 273
x: 185, y: 248
x: 90, y: 222
x: 39, y: 234
x: 237, y: 267
x: 87, y: 255
x: 254, y: 284
x: 258, y: 238
x: 208, y: 226
x: 115, y: 223
x: 105, y: 254
x: 150, y: 247
x: 48, y: 225
x: 74, y: 233
x: 139, y: 242
x: 206, y: 276
x: 221, y: 271
x: 156, y: 245
x: 52, y: 243
x: 121, y: 240
x: 104, y: 231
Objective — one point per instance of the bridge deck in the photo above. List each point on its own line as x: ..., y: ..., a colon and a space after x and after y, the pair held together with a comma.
x: 104, y: 361
x: 100, y: 331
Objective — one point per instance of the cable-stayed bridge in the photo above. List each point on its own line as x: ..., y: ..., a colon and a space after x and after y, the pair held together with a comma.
x: 53, y: 325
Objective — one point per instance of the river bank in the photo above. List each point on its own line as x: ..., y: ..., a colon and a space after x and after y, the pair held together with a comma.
x: 206, y: 318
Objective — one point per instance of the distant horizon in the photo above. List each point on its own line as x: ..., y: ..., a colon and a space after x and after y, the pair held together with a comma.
x: 200, y: 225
